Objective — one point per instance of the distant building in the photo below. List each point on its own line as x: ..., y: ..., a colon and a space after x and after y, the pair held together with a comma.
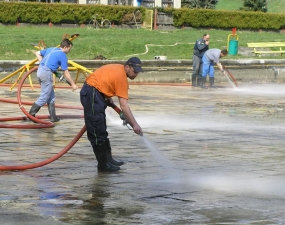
x: 145, y: 3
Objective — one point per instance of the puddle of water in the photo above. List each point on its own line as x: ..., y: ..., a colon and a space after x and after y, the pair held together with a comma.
x: 63, y: 202
x: 233, y: 216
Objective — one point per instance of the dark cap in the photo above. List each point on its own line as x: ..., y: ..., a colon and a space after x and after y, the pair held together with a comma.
x: 135, y: 63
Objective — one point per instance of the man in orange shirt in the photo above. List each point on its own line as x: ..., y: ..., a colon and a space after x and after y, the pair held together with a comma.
x: 99, y: 88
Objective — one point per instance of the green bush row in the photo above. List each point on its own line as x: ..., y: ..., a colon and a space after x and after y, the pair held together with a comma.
x: 39, y: 13
x: 228, y: 19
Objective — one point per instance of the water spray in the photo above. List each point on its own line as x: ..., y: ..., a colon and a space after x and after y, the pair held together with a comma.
x: 157, y: 154
x: 230, y: 77
x: 229, y: 80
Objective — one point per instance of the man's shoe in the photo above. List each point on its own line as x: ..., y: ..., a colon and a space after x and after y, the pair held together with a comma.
x: 113, y: 161
x: 212, y: 83
x: 213, y: 86
x: 204, y: 86
x: 108, y: 168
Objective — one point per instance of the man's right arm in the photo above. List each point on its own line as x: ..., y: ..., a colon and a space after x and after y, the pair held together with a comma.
x: 220, y: 66
x: 39, y: 56
x: 69, y: 79
x: 129, y: 116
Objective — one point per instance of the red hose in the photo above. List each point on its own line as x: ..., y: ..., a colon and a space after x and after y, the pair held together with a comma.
x: 116, y: 108
x: 42, y: 124
x: 231, y: 76
x: 47, y: 161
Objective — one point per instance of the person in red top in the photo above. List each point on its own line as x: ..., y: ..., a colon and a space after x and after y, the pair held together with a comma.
x: 100, y: 86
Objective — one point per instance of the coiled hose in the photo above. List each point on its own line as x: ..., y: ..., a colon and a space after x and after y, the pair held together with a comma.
x: 40, y: 124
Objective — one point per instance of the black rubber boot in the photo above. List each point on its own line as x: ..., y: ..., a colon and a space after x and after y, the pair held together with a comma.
x: 194, y: 83
x: 212, y: 83
x: 199, y: 80
x: 34, y: 109
x: 51, y: 109
x: 109, y: 154
x: 101, y: 156
x: 203, y: 81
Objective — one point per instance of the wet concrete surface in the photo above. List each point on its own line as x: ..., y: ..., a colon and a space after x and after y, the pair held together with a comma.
x: 211, y: 156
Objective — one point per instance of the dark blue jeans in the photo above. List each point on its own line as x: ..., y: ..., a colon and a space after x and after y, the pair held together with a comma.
x: 94, y: 105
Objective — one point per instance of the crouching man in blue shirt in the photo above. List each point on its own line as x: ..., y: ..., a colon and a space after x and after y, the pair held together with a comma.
x: 211, y: 57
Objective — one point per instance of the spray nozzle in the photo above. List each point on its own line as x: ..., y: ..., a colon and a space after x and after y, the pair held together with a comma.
x: 121, y: 114
x: 125, y: 122
x: 61, y: 78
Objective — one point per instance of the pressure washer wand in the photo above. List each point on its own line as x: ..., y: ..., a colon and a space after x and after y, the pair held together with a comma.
x: 230, y: 77
x: 61, y: 78
x: 121, y: 114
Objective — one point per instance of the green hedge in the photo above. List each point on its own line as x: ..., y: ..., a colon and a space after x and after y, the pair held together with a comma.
x: 228, y: 19
x: 39, y: 13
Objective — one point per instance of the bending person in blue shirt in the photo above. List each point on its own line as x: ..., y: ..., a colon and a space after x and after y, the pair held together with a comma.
x: 50, y: 60
x: 211, y: 57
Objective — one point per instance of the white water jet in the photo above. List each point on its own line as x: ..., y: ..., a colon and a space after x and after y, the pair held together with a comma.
x: 161, y: 159
x: 254, y: 186
x: 231, y: 83
x: 263, y: 90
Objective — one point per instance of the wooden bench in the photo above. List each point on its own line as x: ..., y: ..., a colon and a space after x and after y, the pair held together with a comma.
x: 278, y: 45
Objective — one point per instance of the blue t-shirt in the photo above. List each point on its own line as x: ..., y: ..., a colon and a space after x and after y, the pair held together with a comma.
x: 54, y: 58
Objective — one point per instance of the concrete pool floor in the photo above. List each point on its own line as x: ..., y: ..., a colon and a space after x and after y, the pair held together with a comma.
x: 211, y: 156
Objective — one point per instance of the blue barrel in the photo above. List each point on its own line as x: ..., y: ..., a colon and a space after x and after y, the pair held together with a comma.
x: 233, y: 47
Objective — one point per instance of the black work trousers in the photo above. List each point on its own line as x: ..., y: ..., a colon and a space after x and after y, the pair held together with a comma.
x: 94, y: 105
x: 197, y: 65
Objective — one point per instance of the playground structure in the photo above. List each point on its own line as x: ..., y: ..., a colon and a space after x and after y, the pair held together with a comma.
x: 30, y: 65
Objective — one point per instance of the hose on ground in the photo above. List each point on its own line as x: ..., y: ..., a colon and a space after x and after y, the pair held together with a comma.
x: 42, y: 124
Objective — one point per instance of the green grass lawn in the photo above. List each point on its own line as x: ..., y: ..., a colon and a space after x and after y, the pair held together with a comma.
x: 229, y: 4
x: 274, y: 6
x: 119, y: 44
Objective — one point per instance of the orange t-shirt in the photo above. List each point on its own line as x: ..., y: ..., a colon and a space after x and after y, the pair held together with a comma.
x: 111, y: 80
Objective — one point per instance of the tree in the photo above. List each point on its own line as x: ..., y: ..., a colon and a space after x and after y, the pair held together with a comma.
x: 199, y: 4
x: 255, y: 5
